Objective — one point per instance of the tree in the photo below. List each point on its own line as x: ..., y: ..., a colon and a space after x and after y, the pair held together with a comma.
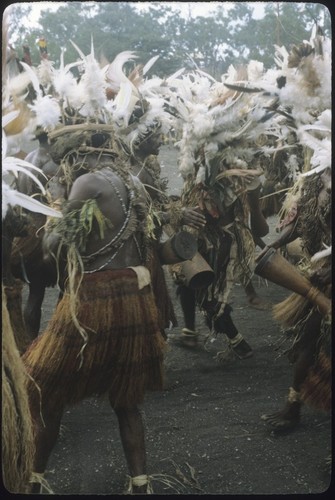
x: 212, y: 42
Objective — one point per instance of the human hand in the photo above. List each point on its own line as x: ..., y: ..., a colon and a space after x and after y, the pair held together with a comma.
x: 191, y: 216
x: 263, y: 252
x: 247, y: 174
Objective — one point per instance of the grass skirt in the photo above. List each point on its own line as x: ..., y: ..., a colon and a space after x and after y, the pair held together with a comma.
x: 124, y: 351
x: 294, y: 313
x: 17, y: 434
x: 14, y: 308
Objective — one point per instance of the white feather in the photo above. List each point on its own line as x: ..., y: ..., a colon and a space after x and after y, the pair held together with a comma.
x: 114, y: 71
x: 321, y: 254
x: 149, y: 64
x: 124, y: 104
x: 92, y: 85
x: 47, y: 112
x: 12, y: 197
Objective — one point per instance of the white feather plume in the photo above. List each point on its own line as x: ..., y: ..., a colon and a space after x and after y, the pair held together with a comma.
x: 12, y: 197
x: 114, y: 73
x: 92, y: 86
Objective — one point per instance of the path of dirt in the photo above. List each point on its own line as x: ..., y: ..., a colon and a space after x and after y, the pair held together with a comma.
x: 204, y: 431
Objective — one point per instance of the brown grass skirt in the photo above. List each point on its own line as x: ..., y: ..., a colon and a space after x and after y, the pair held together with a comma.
x: 316, y: 390
x: 124, y: 352
x: 14, y: 307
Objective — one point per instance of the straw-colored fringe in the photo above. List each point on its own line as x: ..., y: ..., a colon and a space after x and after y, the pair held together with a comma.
x: 17, y: 433
x: 14, y: 308
x: 123, y: 355
x: 291, y: 310
x: 39, y: 478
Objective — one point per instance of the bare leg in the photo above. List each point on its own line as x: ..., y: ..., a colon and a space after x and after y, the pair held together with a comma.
x: 289, y: 417
x: 133, y: 442
x: 253, y: 299
x: 46, y: 434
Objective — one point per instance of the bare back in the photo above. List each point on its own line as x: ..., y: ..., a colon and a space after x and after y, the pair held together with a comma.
x: 121, y: 245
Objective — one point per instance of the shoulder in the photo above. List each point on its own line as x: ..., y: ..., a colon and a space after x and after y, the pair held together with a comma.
x: 87, y: 186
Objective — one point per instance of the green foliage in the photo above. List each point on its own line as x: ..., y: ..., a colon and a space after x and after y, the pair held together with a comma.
x: 76, y: 225
x: 210, y: 42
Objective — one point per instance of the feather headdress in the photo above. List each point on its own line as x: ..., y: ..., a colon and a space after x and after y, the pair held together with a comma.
x: 216, y: 118
x: 91, y: 87
x: 139, y: 107
x: 307, y: 93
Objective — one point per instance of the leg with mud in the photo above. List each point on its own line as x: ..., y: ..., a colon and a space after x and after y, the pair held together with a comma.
x: 133, y: 442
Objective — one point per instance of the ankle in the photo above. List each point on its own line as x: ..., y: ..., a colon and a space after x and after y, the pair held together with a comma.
x: 188, y: 331
x: 139, y: 485
x: 234, y: 341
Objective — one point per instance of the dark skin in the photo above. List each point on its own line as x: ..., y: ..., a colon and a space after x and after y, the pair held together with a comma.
x: 88, y: 186
x: 289, y: 417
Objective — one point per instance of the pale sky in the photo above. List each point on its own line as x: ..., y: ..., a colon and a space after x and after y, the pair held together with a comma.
x: 196, y: 8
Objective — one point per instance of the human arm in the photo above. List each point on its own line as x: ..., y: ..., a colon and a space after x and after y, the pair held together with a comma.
x: 176, y: 215
x: 288, y: 234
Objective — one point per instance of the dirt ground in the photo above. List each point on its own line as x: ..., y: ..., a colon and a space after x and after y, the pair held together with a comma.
x: 204, y: 433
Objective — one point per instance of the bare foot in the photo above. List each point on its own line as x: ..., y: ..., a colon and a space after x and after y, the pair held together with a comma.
x: 258, y: 303
x: 286, y: 419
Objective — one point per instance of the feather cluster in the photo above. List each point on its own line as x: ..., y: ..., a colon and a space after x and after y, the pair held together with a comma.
x: 11, y: 166
x: 230, y: 117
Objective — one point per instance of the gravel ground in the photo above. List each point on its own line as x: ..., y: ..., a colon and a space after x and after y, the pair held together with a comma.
x: 204, y: 432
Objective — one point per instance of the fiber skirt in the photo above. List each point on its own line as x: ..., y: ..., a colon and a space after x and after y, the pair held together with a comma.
x: 124, y: 351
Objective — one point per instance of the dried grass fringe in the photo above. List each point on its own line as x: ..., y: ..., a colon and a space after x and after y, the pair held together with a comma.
x: 291, y: 310
x: 124, y: 351
x: 14, y: 307
x: 17, y: 434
